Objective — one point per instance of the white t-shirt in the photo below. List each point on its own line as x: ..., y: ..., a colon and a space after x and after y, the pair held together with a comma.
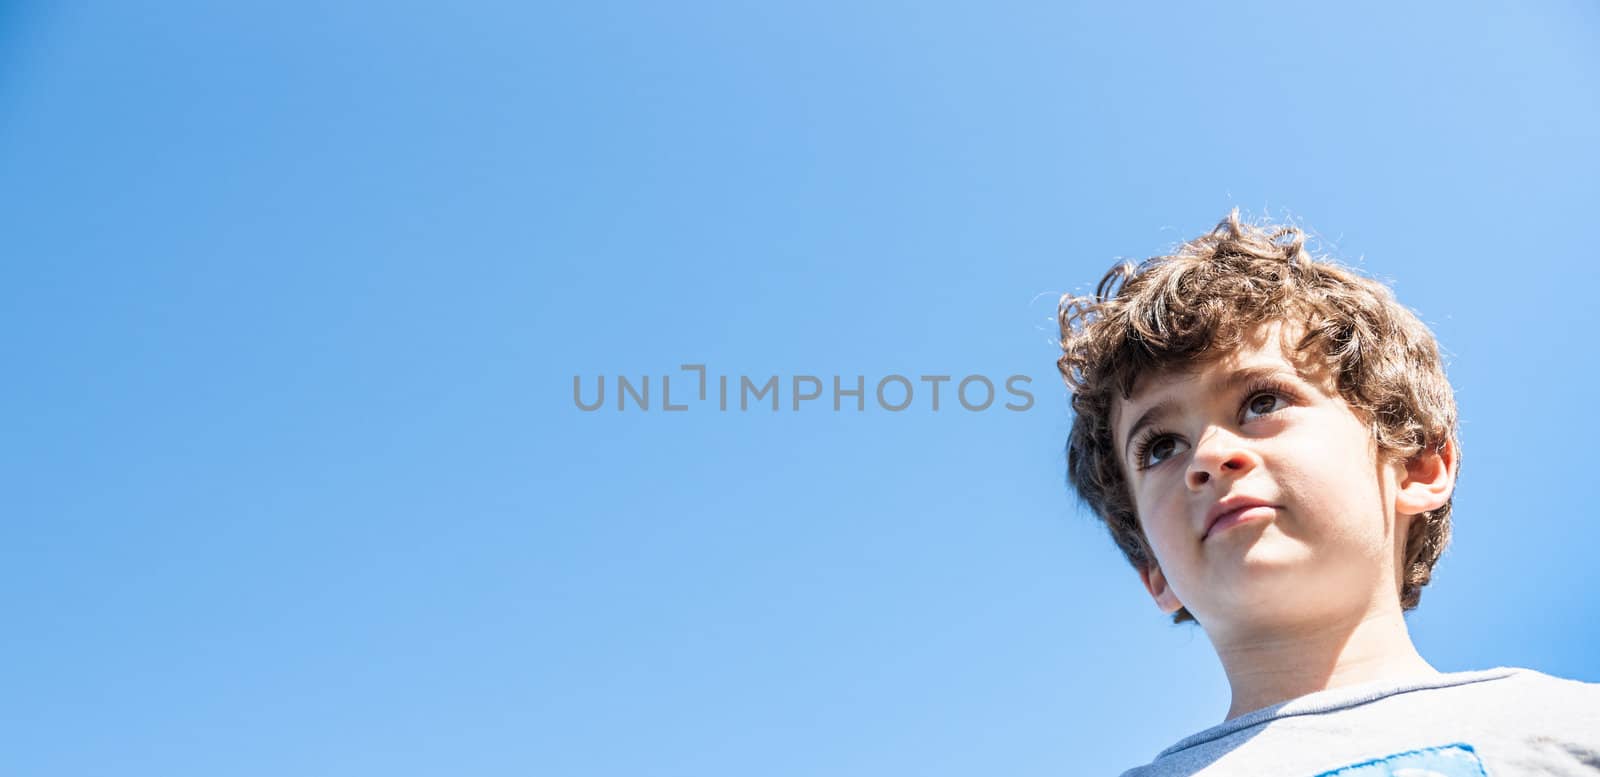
x: 1503, y: 722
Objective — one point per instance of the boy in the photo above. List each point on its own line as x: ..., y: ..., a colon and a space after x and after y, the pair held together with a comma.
x: 1272, y: 443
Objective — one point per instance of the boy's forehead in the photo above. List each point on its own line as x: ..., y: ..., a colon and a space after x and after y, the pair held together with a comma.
x: 1267, y: 348
x: 1173, y: 380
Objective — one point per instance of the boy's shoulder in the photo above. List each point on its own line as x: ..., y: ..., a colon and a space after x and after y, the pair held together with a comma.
x: 1506, y: 720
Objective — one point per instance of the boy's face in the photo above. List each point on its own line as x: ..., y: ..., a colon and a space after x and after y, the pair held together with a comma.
x: 1260, y: 490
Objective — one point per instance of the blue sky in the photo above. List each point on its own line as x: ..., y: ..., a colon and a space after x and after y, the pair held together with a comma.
x: 296, y: 293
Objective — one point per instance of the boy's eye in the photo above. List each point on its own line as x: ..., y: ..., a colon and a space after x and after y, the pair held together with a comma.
x: 1263, y: 403
x: 1158, y: 449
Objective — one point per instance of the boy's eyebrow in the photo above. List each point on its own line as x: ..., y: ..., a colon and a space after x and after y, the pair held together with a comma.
x: 1242, y: 376
x: 1153, y: 415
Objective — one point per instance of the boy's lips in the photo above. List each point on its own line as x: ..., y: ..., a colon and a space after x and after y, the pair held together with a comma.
x: 1232, y: 511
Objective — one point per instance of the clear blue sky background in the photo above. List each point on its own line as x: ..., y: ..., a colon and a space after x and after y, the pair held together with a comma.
x: 295, y: 292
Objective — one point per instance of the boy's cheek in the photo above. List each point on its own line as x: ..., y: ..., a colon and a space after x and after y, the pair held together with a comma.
x: 1164, y: 529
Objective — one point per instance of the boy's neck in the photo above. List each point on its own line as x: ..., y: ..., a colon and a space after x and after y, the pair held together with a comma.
x: 1264, y: 671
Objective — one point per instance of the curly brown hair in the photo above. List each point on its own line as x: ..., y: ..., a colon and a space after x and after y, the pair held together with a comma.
x: 1200, y: 302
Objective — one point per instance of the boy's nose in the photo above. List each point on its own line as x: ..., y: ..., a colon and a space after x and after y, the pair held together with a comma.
x: 1217, y: 457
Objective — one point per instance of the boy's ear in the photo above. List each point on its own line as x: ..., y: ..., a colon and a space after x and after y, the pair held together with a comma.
x: 1156, y: 583
x: 1428, y: 480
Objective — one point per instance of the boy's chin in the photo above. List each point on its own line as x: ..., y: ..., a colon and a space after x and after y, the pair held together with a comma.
x: 1282, y: 593
x: 1270, y: 581
x: 1267, y: 555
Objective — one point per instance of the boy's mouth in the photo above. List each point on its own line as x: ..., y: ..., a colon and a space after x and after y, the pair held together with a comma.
x: 1233, y: 511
